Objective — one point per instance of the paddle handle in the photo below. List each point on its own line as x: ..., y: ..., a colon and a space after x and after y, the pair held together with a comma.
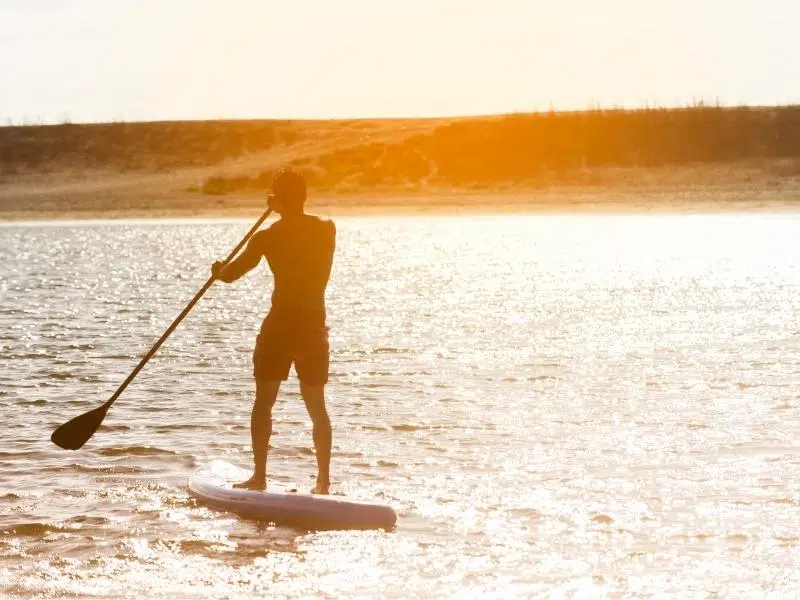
x: 185, y: 311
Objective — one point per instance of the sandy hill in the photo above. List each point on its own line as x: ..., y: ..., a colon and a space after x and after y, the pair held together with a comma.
x: 194, y: 166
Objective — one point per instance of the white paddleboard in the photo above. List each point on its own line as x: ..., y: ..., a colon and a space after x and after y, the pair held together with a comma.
x: 213, y: 485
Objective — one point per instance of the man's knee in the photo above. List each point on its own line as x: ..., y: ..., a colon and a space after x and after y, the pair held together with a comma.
x: 266, y: 394
x: 314, y: 398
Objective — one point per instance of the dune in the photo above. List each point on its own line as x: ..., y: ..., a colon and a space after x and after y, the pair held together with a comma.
x: 698, y: 158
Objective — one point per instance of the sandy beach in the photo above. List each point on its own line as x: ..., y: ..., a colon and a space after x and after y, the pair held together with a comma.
x: 707, y: 189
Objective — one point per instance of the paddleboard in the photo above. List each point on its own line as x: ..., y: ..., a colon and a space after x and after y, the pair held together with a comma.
x: 213, y: 485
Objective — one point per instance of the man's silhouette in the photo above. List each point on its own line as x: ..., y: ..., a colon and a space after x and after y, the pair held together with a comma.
x: 299, y: 249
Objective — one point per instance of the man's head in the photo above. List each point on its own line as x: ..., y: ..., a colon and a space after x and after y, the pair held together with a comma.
x: 289, y: 192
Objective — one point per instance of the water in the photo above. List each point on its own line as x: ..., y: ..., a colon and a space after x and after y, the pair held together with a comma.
x: 569, y: 406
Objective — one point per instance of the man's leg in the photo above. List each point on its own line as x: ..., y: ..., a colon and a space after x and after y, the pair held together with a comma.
x: 314, y: 398
x: 260, y: 432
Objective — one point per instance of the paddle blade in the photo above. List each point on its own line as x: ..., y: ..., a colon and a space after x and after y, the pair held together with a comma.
x: 73, y: 434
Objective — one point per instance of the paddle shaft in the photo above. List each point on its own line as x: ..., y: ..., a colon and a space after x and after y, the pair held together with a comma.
x: 184, y: 312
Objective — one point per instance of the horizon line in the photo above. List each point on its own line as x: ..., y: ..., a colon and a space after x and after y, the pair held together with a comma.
x: 591, y: 108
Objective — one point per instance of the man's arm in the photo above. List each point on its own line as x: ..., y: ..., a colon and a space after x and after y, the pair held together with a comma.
x: 243, y: 263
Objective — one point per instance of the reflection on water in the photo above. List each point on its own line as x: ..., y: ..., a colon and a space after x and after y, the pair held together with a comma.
x: 552, y: 404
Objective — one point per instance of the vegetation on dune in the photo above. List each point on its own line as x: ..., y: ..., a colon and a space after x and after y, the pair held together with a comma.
x: 477, y: 152
x: 548, y: 147
x: 135, y: 146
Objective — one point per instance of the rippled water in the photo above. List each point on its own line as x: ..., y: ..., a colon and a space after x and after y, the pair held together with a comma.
x: 580, y: 406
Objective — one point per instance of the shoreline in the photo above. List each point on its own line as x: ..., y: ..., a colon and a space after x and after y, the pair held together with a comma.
x: 471, y: 203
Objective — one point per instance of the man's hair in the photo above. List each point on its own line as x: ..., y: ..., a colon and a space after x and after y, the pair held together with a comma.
x: 290, y: 187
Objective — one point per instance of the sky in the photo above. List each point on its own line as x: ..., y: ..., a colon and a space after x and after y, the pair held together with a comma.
x: 134, y: 60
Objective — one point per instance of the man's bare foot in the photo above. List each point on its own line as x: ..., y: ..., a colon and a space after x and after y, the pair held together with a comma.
x: 254, y: 483
x: 322, y: 489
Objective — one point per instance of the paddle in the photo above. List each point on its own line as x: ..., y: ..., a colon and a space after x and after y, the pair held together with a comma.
x: 73, y: 434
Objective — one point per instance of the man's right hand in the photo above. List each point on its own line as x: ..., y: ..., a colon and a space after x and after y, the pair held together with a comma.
x: 216, y: 269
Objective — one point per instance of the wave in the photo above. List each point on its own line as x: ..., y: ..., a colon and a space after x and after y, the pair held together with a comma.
x: 106, y: 470
x: 31, y: 529
x: 787, y: 501
x: 226, y: 393
x: 22, y: 453
x: 181, y: 426
x: 39, y: 402
x: 602, y: 519
x: 62, y: 375
x: 407, y: 427
x: 89, y: 520
x: 136, y: 451
x: 292, y: 451
x: 374, y: 428
x: 31, y: 356
x: 746, y: 386
x: 519, y: 512
x: 105, y: 427
x: 36, y: 528
x: 410, y: 428
x: 349, y: 454
x: 81, y: 401
x: 197, y: 546
x: 435, y: 449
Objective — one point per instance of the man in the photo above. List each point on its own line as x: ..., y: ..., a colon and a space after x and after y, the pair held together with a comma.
x: 299, y: 248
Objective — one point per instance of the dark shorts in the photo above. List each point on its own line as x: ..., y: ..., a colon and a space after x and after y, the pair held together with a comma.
x: 287, y: 338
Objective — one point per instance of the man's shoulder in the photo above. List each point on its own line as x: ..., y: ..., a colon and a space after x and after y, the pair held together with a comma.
x: 319, y: 218
x: 264, y: 233
x: 261, y: 238
x: 323, y: 222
